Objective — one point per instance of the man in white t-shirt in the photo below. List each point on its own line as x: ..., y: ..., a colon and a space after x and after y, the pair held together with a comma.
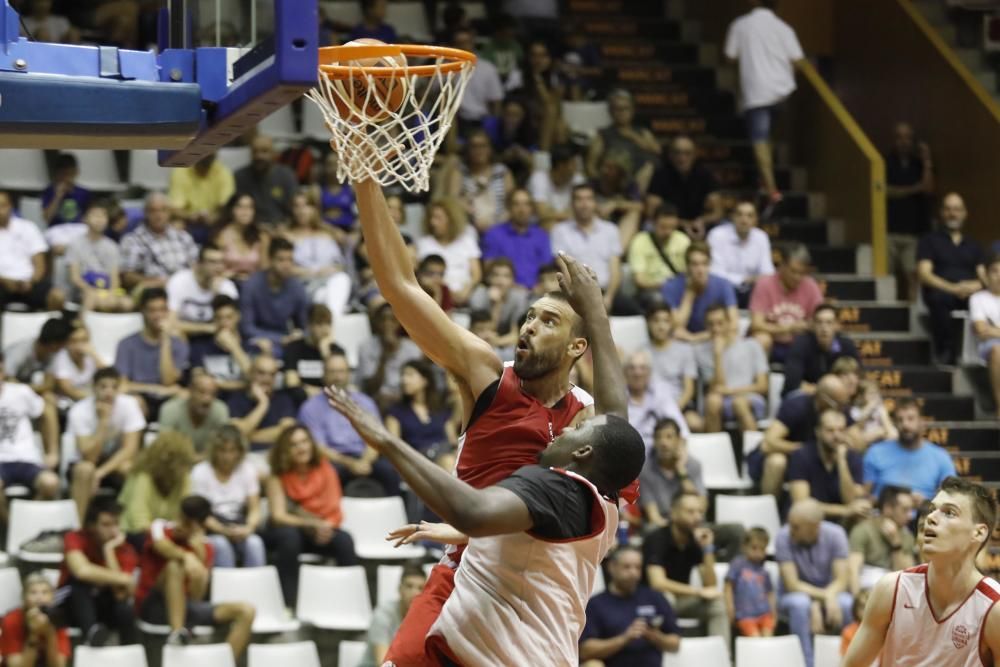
x: 190, y: 292
x: 984, y: 315
x: 484, y: 91
x: 106, y: 428
x: 741, y: 251
x: 21, y: 459
x: 766, y: 49
x: 22, y: 262
x: 552, y: 190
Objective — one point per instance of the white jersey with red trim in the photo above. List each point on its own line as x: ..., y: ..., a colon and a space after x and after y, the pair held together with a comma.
x: 521, y: 600
x: 918, y: 637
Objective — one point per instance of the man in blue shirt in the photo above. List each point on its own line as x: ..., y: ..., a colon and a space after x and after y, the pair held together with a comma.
x: 691, y: 294
x: 910, y: 461
x: 827, y: 470
x: 274, y: 303
x: 64, y: 201
x: 340, y: 441
x: 526, y: 244
x: 629, y: 625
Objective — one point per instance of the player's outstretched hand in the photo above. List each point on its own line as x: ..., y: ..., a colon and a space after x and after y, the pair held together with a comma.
x: 442, y: 533
x: 579, y: 283
x: 367, y: 425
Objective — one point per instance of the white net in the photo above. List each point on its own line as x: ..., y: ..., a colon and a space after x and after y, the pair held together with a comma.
x: 391, y: 146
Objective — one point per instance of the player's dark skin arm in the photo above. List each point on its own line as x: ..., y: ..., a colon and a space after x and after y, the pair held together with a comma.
x: 475, y: 512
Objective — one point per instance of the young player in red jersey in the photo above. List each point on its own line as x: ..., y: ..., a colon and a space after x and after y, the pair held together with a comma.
x: 943, y: 613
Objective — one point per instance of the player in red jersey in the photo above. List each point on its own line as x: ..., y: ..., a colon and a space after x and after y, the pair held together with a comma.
x: 944, y: 613
x: 510, y: 413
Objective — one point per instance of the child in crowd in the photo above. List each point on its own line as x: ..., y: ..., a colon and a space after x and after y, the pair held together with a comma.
x: 30, y: 637
x: 847, y: 634
x: 93, y: 261
x: 869, y: 411
x: 750, y: 598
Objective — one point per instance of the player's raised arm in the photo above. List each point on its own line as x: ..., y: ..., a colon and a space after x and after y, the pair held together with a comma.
x: 463, y: 354
x: 868, y: 642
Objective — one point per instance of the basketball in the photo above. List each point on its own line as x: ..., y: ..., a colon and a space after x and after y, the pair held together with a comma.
x: 375, y: 98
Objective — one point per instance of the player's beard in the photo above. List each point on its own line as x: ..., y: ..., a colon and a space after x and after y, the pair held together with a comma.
x: 538, y: 364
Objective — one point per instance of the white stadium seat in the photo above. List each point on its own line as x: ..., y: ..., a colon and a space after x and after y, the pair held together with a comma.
x: 145, y: 171
x: 702, y: 651
x: 387, y: 581
x: 714, y: 451
x: 749, y: 511
x: 410, y: 20
x: 16, y: 327
x: 109, y: 329
x: 369, y: 520
x: 199, y: 655
x: 292, y: 654
x: 29, y: 518
x: 10, y: 590
x: 98, y: 170
x: 280, y: 124
x: 259, y: 587
x: 334, y: 598
x: 350, y: 331
x: 133, y: 655
x: 350, y: 653
x: 785, y: 651
x: 629, y: 333
x: 586, y: 117
x: 23, y: 169
x: 826, y: 651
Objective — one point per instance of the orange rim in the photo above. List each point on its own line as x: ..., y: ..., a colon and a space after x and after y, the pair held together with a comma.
x: 330, y: 58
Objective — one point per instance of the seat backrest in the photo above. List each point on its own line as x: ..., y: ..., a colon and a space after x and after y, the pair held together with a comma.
x: 749, y: 511
x: 409, y: 18
x: 629, y: 332
x: 350, y: 653
x: 387, y: 583
x: 714, y: 451
x: 23, y: 169
x: 145, y: 171
x: 133, y: 655
x: 234, y: 157
x: 775, y: 383
x: 28, y: 518
x: 371, y: 519
x: 109, y: 329
x: 704, y: 651
x: 586, y: 117
x: 313, y: 124
x: 348, y: 586
x: 826, y: 651
x: 257, y: 586
x: 10, y: 590
x: 18, y: 327
x: 98, y: 170
x: 280, y: 124
x: 292, y: 654
x: 198, y: 655
x: 769, y: 651
x: 350, y: 331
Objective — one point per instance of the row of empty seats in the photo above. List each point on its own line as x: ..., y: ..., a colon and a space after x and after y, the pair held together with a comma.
x: 300, y: 654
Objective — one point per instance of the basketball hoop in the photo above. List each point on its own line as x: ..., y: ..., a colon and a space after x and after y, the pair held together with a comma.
x: 388, y: 119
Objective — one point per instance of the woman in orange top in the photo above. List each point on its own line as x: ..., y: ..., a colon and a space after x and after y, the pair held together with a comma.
x: 304, y: 493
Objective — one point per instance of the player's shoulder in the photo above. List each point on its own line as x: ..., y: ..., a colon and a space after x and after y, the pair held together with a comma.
x: 989, y: 587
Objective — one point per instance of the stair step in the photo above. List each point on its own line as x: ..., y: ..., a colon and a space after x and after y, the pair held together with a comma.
x: 629, y: 73
x: 914, y: 379
x: 601, y: 8
x: 607, y: 28
x: 834, y: 259
x: 893, y: 351
x: 974, y: 436
x: 978, y: 465
x: 854, y: 289
x: 800, y: 230
x: 863, y: 316
x: 720, y: 125
x: 731, y: 175
x: 939, y: 407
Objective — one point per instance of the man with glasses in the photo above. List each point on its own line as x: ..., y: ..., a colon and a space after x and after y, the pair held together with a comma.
x: 684, y: 182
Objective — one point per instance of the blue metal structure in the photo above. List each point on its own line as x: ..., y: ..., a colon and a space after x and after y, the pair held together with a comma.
x: 186, y: 101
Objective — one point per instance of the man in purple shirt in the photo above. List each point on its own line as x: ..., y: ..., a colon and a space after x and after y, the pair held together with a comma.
x: 520, y: 240
x: 340, y: 441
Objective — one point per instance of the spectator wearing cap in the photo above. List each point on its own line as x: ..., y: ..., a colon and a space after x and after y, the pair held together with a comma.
x: 813, y: 352
x: 658, y: 254
x: 22, y: 262
x: 273, y: 303
x: 687, y: 184
x: 270, y: 184
x: 155, y: 250
x: 690, y: 294
x: 520, y: 240
x: 782, y: 304
x: 741, y: 251
x: 984, y: 316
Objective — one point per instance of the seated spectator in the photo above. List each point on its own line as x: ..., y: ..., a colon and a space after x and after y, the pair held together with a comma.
x: 430, y: 276
x: 988, y: 560
x: 242, y: 240
x: 271, y: 185
x: 229, y: 482
x: 594, y: 242
x: 93, y: 261
x: 625, y: 138
x: 73, y: 367
x: 335, y: 198
x: 339, y: 441
x: 446, y: 234
x: 648, y: 401
x: 20, y: 461
x: 505, y: 300
x: 909, y: 181
x: 671, y: 552
x: 673, y: 362
x: 421, y: 417
x: 782, y: 304
x: 485, y: 90
x: 515, y: 138
x: 176, y: 563
x: 389, y: 615
x: 153, y: 360
x: 691, y: 293
x: 99, y: 569
x: 749, y: 591
x: 870, y: 414
x: 304, y: 495
x: 812, y: 557
x: 552, y: 190
x: 741, y: 251
x: 115, y: 21
x: 155, y: 250
x: 29, y: 634
x: 795, y: 423
x: 319, y: 261
x: 813, y: 353
x: 198, y: 193
x: 826, y: 469
x: 273, y: 301
x: 543, y: 91
x: 373, y: 25
x: 504, y: 50
x: 225, y: 355
x: 858, y: 612
x: 950, y: 270
x: 618, y: 197
x: 22, y: 262
x: 984, y: 317
x: 657, y: 255
x: 482, y: 324
x: 63, y: 201
x: 735, y: 372
x: 158, y: 482
x: 261, y: 411
x: 106, y: 428
x: 30, y: 360
x: 669, y: 471
x: 520, y: 240
x: 548, y: 280
x: 909, y: 461
x: 198, y: 414
x: 629, y: 624
x: 381, y: 357
x: 304, y: 357
x: 884, y: 541
x: 481, y: 183
x: 687, y: 184
x: 44, y: 26
x: 190, y: 293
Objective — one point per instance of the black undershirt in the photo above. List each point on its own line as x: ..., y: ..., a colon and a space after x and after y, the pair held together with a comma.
x: 560, y: 506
